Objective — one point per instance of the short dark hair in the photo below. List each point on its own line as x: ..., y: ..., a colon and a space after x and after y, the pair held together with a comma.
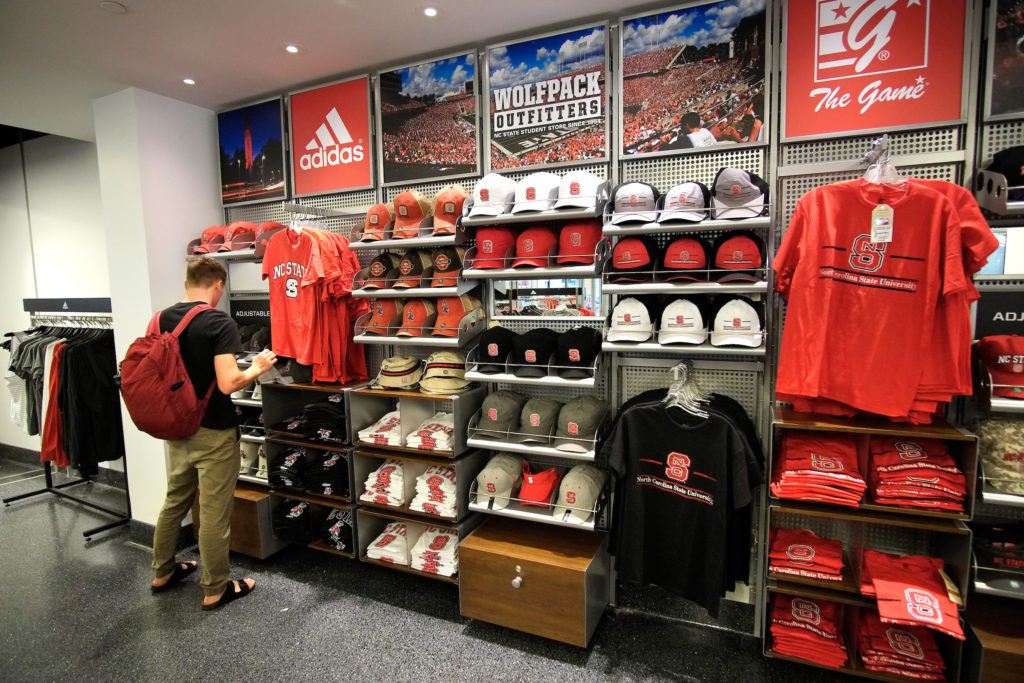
x: 691, y: 119
x: 204, y: 271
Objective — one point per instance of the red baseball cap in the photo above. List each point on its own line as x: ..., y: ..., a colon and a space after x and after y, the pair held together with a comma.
x: 416, y: 314
x: 377, y: 219
x: 239, y: 235
x: 211, y: 240
x: 739, y: 253
x: 263, y: 235
x: 1003, y: 355
x: 450, y: 312
x: 578, y: 240
x: 682, y: 255
x: 538, y: 487
x: 633, y: 260
x: 533, y: 247
x: 383, y: 319
x: 447, y: 208
x: 492, y: 246
x: 410, y: 208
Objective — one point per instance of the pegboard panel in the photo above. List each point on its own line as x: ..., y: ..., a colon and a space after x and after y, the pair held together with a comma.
x: 898, y: 540
x: 826, y: 527
x: 273, y: 211
x: 552, y: 323
x: 1000, y: 135
x: 667, y: 171
x: 600, y: 170
x: 742, y: 385
x: 374, y: 355
x: 902, y: 144
x: 989, y: 513
x: 428, y: 190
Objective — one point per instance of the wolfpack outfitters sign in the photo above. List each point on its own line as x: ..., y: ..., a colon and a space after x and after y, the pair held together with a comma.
x: 869, y: 64
x: 330, y: 138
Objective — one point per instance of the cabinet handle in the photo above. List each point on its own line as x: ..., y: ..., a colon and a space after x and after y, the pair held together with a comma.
x: 517, y: 582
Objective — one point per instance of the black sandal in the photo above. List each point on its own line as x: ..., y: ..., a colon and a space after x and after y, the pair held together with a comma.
x: 177, y: 575
x: 230, y: 593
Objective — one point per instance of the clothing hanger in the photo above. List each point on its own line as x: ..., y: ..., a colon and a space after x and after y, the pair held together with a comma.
x: 685, y: 391
x: 881, y: 170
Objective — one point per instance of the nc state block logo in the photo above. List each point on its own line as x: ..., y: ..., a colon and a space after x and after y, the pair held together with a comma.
x: 575, y: 239
x: 492, y: 349
x: 534, y: 420
x: 403, y: 210
x: 374, y: 219
x: 531, y: 356
x: 862, y: 37
x: 492, y: 413
x: 574, y: 354
x: 800, y: 553
x: 485, y: 195
x: 531, y: 193
x: 528, y: 246
x: 574, y: 428
x: 574, y: 188
x: 487, y: 247
x: 449, y: 207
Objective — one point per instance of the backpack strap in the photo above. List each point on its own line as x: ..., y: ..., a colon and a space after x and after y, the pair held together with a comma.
x: 193, y: 312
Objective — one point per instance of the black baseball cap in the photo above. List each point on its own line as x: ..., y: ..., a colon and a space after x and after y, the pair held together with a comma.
x: 634, y: 259
x: 411, y: 268
x: 575, y: 351
x: 447, y: 265
x: 380, y: 270
x: 531, y: 352
x: 494, y: 347
x: 737, y: 255
x: 1010, y: 162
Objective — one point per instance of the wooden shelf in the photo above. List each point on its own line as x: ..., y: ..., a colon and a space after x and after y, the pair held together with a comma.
x: 410, y: 570
x: 323, y: 547
x: 396, y: 393
x: 314, y: 498
x: 846, y: 585
x: 402, y: 450
x: 926, y: 520
x: 396, y: 515
x: 327, y: 388
x: 798, y: 587
x: 292, y: 440
x: 415, y: 515
x: 416, y: 455
x: 787, y: 418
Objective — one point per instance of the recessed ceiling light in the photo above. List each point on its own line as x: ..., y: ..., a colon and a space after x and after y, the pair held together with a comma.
x: 291, y: 48
x: 111, y: 7
x: 430, y: 11
x: 188, y: 81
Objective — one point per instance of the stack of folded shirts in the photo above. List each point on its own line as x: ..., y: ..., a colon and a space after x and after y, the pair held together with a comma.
x: 801, y: 553
x: 916, y: 473
x: 386, y: 484
x: 437, y: 552
x: 436, y: 433
x: 330, y: 474
x: 435, y: 492
x: 325, y: 420
x: 337, y: 530
x: 908, y: 651
x: 911, y: 591
x: 291, y: 521
x: 387, y: 431
x: 391, y: 546
x: 808, y: 629
x: 289, y: 469
x: 820, y: 467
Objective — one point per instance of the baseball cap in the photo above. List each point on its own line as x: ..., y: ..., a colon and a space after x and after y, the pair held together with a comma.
x: 578, y: 493
x: 531, y: 352
x: 447, y: 266
x: 498, y: 478
x: 411, y: 267
x: 499, y: 413
x: 682, y: 322
x: 239, y: 235
x: 634, y: 202
x: 266, y: 230
x: 451, y: 311
x: 377, y: 220
x: 633, y: 260
x: 575, y: 352
x: 538, y: 487
x: 250, y: 455
x: 410, y: 209
x: 495, y: 345
x: 1001, y: 354
x: 578, y: 189
x: 492, y: 246
x: 578, y: 422
x: 386, y: 316
x: 577, y: 241
x: 737, y: 254
x: 631, y: 321
x: 398, y: 372
x: 537, y: 192
x: 685, y: 202
x: 445, y: 373
x: 1010, y: 162
x: 537, y: 421
x: 416, y: 315
x: 383, y: 267
x: 211, y: 239
x: 737, y: 323
x: 738, y: 194
x: 493, y: 195
x: 684, y: 258
x: 447, y: 208
x: 533, y: 246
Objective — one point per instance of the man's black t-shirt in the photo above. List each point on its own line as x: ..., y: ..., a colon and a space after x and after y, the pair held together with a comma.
x: 211, y: 333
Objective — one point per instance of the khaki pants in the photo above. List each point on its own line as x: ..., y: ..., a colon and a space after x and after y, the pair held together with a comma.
x: 207, y: 460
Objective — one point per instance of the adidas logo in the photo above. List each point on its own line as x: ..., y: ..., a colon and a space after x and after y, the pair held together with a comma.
x: 332, y: 145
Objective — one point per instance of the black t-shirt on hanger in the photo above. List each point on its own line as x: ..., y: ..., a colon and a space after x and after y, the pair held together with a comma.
x: 211, y: 333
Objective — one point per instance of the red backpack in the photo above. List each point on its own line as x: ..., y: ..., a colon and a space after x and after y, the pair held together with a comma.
x: 155, y: 385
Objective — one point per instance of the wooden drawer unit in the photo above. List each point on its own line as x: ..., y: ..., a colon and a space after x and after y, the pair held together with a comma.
x: 251, y: 530
x: 546, y: 580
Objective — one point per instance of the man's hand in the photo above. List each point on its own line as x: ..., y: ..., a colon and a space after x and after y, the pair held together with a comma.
x: 264, y: 361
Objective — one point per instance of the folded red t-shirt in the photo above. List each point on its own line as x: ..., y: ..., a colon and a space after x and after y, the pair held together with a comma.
x: 803, y: 548
x: 919, y: 600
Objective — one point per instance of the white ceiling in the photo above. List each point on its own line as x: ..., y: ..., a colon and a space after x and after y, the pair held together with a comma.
x: 56, y: 56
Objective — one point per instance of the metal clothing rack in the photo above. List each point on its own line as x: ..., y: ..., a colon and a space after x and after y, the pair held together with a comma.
x: 84, y: 313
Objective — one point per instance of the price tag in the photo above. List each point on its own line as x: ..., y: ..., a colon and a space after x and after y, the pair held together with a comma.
x: 881, y: 224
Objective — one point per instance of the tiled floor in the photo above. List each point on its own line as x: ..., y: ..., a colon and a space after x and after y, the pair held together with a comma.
x: 71, y: 610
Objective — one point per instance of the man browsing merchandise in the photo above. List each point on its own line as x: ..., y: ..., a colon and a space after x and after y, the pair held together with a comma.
x: 209, y: 459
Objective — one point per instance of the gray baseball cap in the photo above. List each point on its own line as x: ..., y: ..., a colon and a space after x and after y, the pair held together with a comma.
x: 578, y: 493
x: 537, y: 421
x: 578, y: 422
x: 499, y: 414
x: 502, y: 474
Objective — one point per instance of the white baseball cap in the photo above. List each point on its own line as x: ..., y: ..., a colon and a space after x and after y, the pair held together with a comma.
x: 635, y: 202
x: 630, y: 322
x: 685, y: 202
x: 737, y: 323
x: 537, y: 192
x: 683, y: 322
x: 738, y: 194
x: 499, y: 477
x: 493, y: 195
x: 579, y: 189
x: 578, y: 493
